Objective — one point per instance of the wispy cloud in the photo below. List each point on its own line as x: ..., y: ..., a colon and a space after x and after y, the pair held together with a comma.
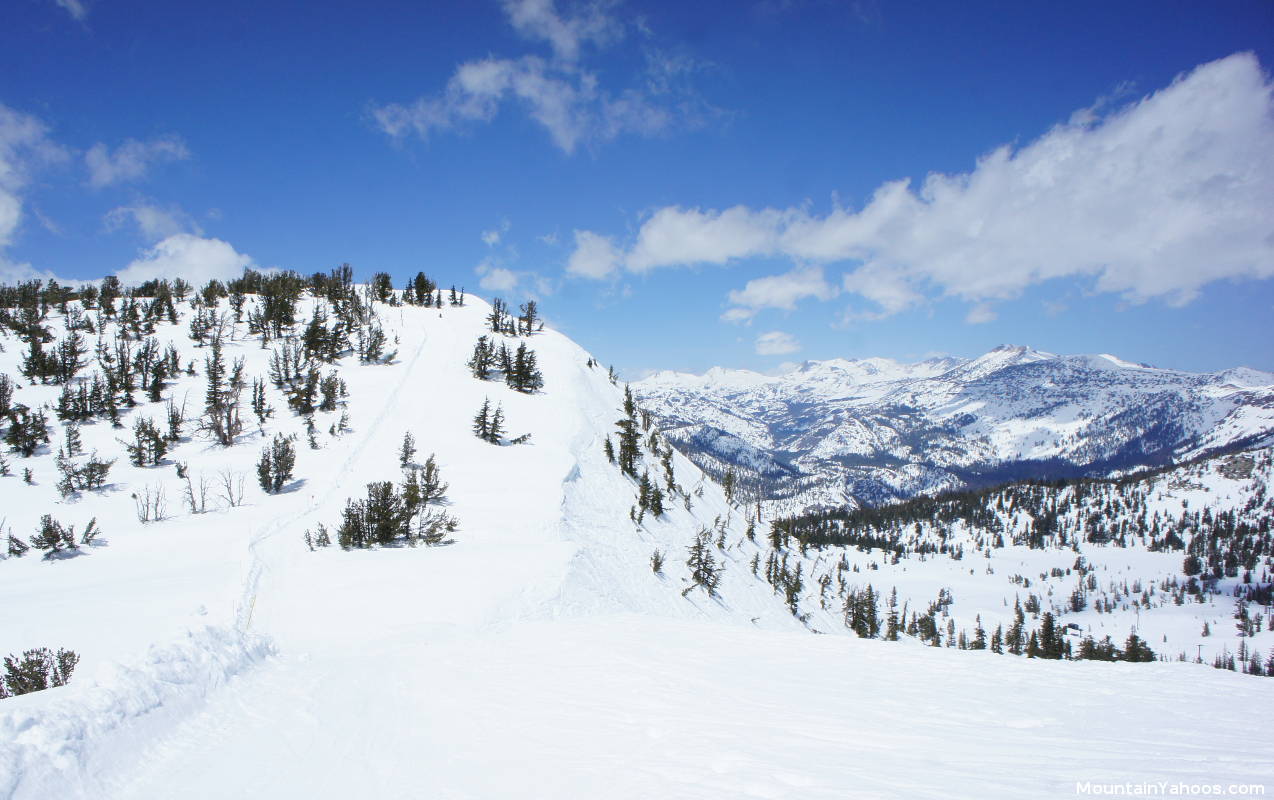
x: 557, y: 92
x: 130, y: 160
x: 592, y: 23
x: 153, y: 222
x: 1152, y: 199
x: 25, y: 146
x: 492, y: 237
x: 776, y: 343
x: 495, y: 277
x: 76, y: 8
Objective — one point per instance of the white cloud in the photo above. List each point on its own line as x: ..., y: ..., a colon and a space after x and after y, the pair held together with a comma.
x: 194, y: 258
x: 495, y: 278
x: 674, y: 236
x: 492, y: 237
x: 1154, y: 199
x: 499, y: 279
x: 539, y: 19
x: 75, y: 8
x: 776, y: 343
x: 557, y: 93
x: 25, y: 146
x: 154, y: 223
x: 890, y: 292
x: 981, y: 314
x: 778, y: 291
x: 595, y: 256
x: 131, y: 159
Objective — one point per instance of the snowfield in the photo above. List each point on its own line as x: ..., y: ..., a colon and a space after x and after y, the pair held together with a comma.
x: 537, y: 656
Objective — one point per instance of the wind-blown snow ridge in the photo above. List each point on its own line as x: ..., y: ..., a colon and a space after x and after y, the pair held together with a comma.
x: 49, y: 738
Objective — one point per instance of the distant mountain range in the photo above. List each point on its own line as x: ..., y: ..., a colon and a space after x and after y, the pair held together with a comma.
x: 851, y: 432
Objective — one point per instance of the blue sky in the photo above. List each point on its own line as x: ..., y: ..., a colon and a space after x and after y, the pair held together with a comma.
x: 679, y: 185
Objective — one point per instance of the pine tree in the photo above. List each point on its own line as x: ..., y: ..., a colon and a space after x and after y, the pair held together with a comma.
x: 703, y: 568
x: 1015, y: 639
x: 629, y: 446
x: 432, y: 489
x: 221, y: 400
x: 656, y: 502
x: 433, y: 528
x: 16, y: 547
x: 609, y: 450
x: 530, y: 316
x: 483, y: 356
x: 1050, y: 639
x: 891, y: 621
x: 53, y: 537
x: 497, y: 426
x: 979, y: 636
x: 729, y: 482
x: 407, y: 451
x: 411, y: 490
x: 38, y: 669
x: 259, y: 406
x: 482, y: 421
x: 74, y: 445
x: 27, y: 431
x: 496, y: 319
x: 1137, y: 650
x: 148, y: 446
x: 524, y: 376
x: 274, y: 469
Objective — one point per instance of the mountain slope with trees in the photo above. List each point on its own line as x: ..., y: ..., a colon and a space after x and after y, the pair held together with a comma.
x: 831, y: 433
x: 258, y: 543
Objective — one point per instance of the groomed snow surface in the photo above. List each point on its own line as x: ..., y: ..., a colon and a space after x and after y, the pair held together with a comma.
x: 539, y: 655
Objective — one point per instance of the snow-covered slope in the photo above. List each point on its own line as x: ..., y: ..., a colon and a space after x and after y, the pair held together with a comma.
x: 539, y: 655
x: 545, y: 533
x: 843, y: 432
x: 1106, y: 557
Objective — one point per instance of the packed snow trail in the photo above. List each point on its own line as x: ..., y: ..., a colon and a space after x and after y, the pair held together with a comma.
x: 638, y: 707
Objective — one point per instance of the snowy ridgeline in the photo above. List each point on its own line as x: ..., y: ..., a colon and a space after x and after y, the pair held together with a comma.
x: 593, y: 613
x: 874, y: 431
